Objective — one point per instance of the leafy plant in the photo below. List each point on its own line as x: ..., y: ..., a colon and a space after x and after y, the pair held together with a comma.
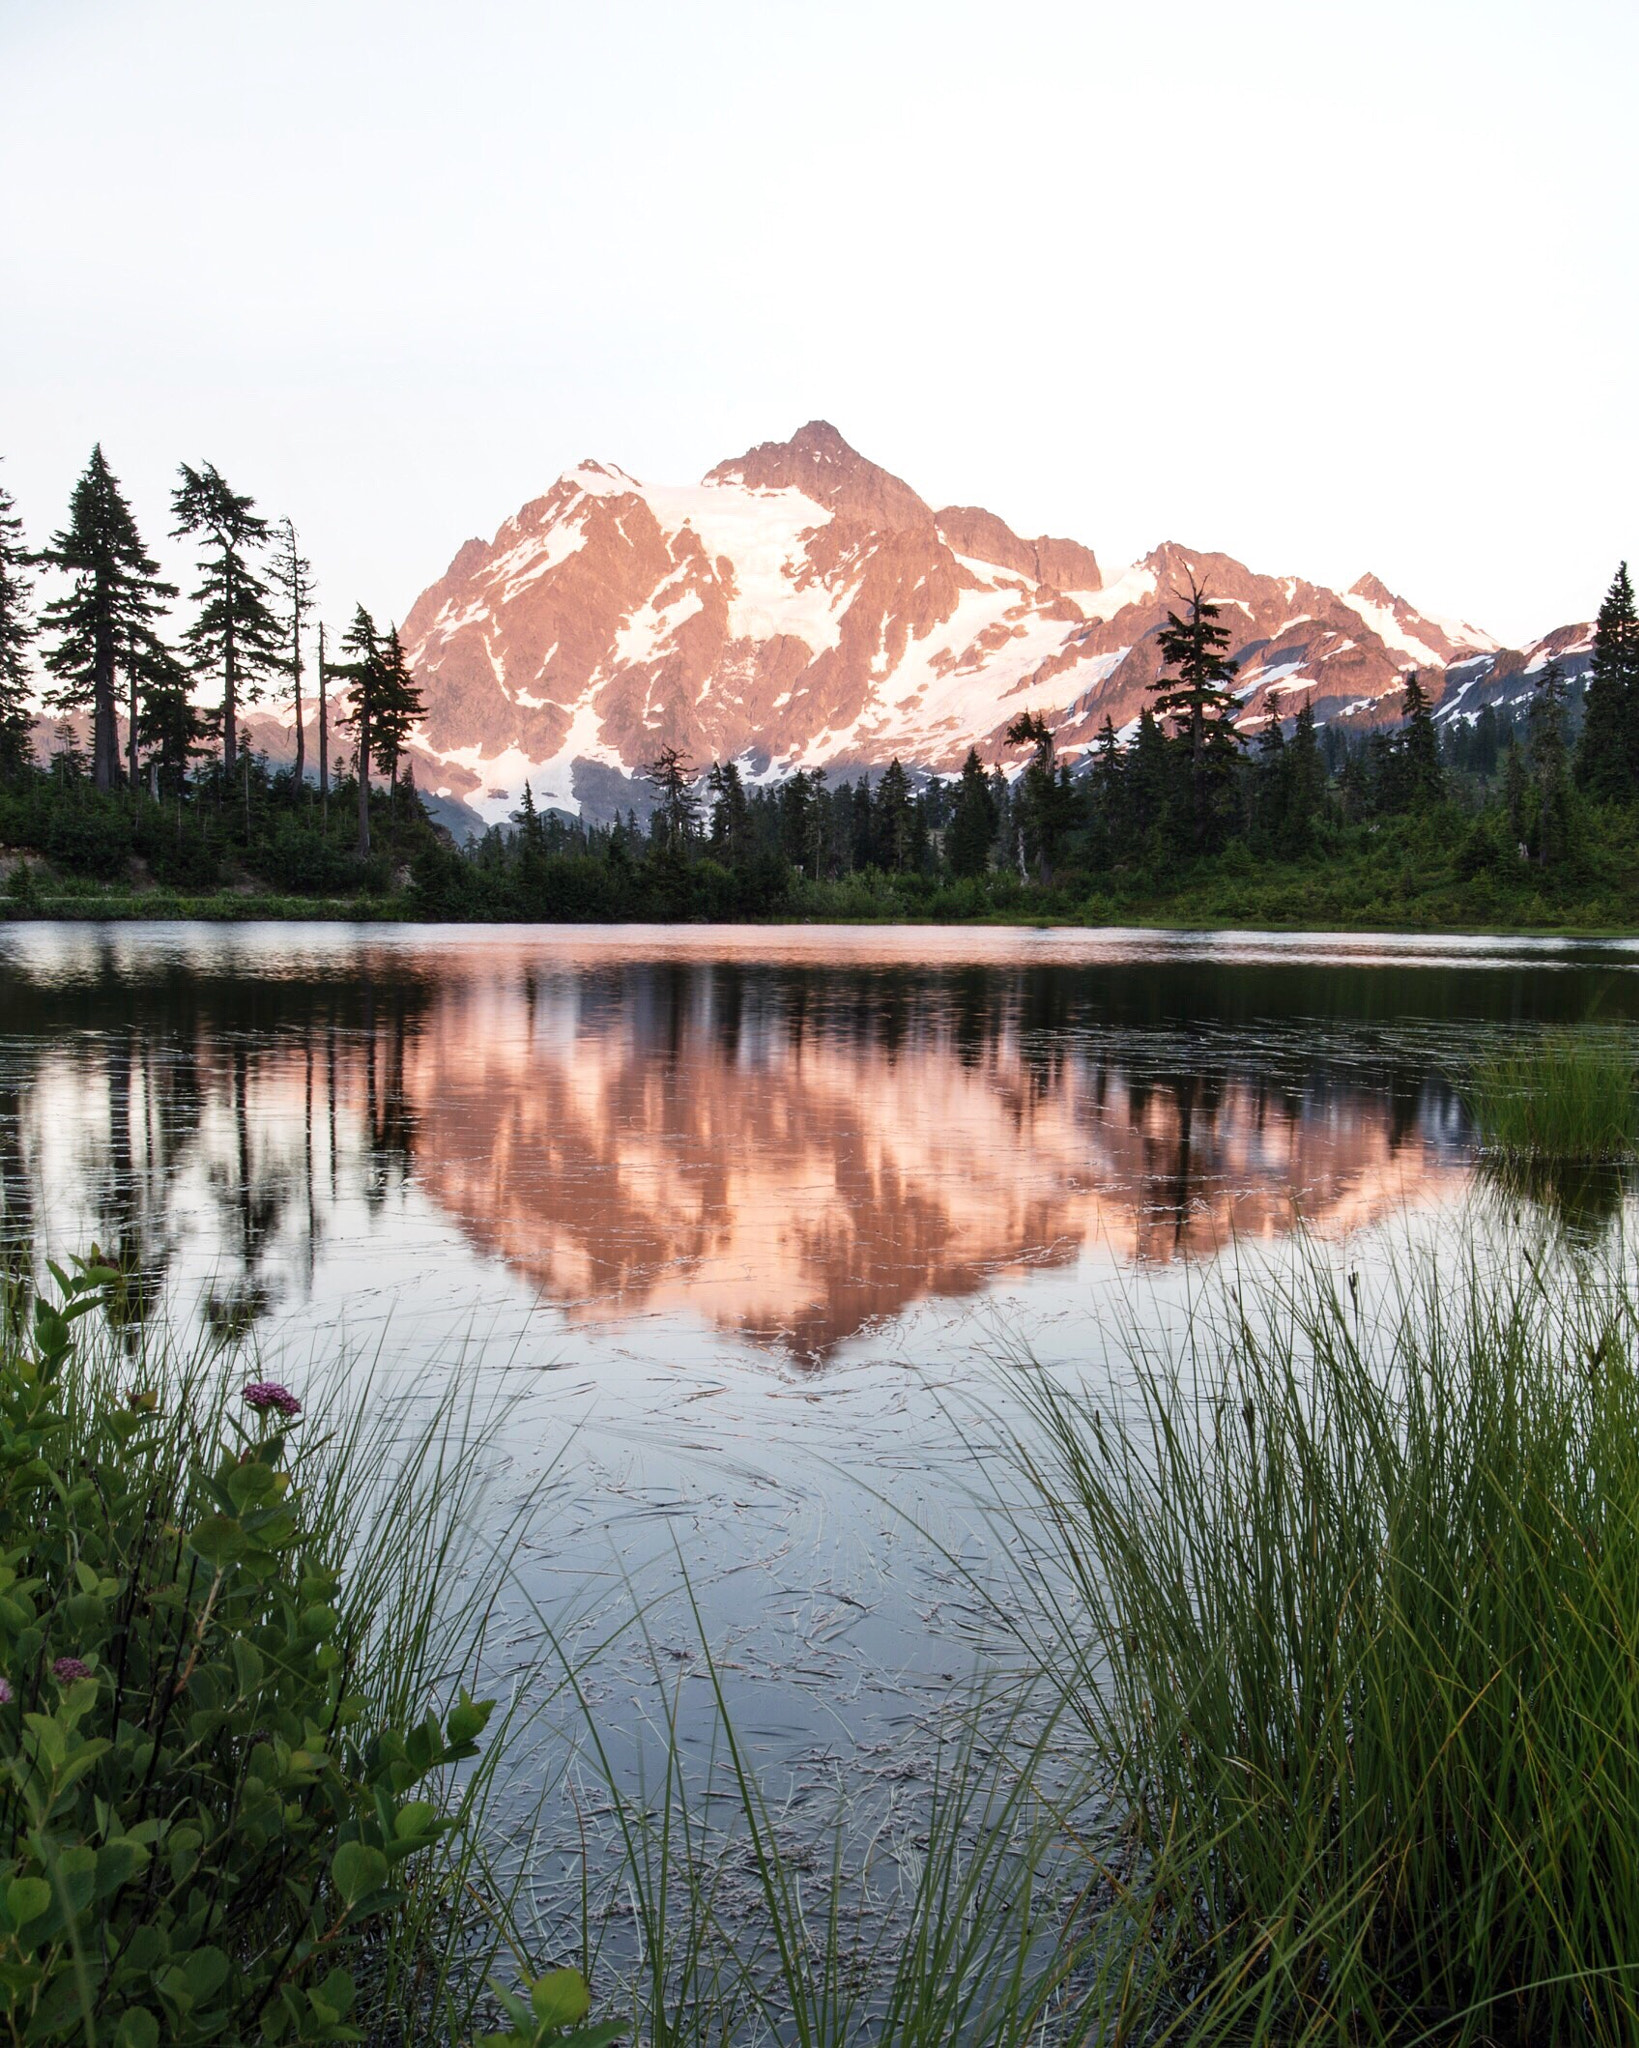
x: 204, y: 1815
x: 552, y: 2016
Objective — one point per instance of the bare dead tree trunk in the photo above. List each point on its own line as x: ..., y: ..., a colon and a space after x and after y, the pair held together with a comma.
x: 324, y: 735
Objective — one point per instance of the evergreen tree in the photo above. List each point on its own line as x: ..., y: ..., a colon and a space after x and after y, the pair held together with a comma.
x: 17, y: 630
x: 1516, y: 786
x: 169, y: 728
x: 235, y: 635
x: 1046, y: 799
x: 292, y: 576
x: 1550, y: 762
x: 800, y: 825
x: 1108, y: 804
x: 1198, y: 698
x: 1269, y: 779
x: 972, y: 830
x: 117, y: 594
x: 1487, y: 744
x: 1388, y: 778
x: 1607, y: 760
x: 531, y: 846
x: 363, y: 643
x: 1305, y: 784
x: 398, y: 706
x: 1148, y: 775
x: 1419, y: 745
x: 676, y: 815
x: 893, y: 820
x: 730, y: 814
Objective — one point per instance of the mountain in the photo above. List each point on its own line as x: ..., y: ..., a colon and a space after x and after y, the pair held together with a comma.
x: 803, y: 607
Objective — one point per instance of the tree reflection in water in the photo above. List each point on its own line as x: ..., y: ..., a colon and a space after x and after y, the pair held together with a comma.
x: 791, y: 1149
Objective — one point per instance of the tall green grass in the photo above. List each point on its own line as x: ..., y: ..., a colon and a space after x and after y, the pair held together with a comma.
x: 1346, y: 1601
x: 1563, y: 1096
x: 747, y: 1922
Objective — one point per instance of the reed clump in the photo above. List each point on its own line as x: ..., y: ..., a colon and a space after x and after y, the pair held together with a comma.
x: 1348, y: 1608
x: 1564, y: 1096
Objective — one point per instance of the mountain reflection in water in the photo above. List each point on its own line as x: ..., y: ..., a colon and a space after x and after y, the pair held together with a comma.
x: 796, y: 1161
x: 791, y: 1143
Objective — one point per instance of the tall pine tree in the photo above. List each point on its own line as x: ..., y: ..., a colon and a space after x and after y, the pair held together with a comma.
x: 398, y: 707
x: 116, y: 596
x: 893, y: 819
x: 363, y: 643
x: 1200, y: 702
x: 16, y: 632
x: 973, y: 825
x: 730, y: 813
x: 1046, y: 800
x: 1306, y: 782
x: 1419, y: 745
x: 1550, y: 759
x: 292, y: 575
x: 235, y: 636
x: 170, y: 729
x: 1607, y: 759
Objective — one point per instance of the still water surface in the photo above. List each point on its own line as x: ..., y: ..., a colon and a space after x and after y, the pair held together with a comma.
x: 739, y: 1219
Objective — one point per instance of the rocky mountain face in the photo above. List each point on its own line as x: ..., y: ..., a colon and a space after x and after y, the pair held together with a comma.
x: 802, y: 607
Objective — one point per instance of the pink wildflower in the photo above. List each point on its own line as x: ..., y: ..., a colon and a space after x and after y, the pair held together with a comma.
x: 67, y: 1669
x: 265, y: 1394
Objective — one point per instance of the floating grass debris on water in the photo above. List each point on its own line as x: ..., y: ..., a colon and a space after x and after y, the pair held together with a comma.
x: 1562, y: 1095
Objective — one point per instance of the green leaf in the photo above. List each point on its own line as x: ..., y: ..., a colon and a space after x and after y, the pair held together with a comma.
x: 560, y: 1998
x: 206, y: 1971
x: 358, y: 1871
x: 415, y: 1818
x: 218, y: 1540
x: 26, y: 1899
x: 117, y: 1863
x: 337, y: 1993
x: 137, y: 2029
x: 468, y: 1720
x: 248, y: 1668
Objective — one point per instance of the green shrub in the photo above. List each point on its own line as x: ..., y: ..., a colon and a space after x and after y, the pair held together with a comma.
x: 211, y: 1800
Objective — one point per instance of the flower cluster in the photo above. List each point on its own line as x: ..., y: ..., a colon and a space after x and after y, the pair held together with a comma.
x: 5, y: 1693
x: 67, y: 1669
x: 265, y: 1394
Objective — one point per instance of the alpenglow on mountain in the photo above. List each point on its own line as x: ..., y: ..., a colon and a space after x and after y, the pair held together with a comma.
x: 801, y: 607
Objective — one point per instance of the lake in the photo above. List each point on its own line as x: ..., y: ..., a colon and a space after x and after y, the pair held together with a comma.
x: 740, y: 1223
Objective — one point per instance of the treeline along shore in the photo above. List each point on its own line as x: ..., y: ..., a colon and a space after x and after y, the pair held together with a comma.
x: 1518, y: 821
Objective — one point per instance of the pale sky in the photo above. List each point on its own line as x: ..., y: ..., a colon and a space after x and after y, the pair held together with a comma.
x: 1328, y: 287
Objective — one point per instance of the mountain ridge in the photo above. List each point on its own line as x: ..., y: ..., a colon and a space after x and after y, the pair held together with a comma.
x: 804, y: 607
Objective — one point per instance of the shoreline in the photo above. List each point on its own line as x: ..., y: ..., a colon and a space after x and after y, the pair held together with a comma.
x: 266, y: 909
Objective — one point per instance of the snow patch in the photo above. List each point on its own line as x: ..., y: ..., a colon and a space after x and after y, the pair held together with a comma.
x: 1136, y: 584
x: 777, y: 589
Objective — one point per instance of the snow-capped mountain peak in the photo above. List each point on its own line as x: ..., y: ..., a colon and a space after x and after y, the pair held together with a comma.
x: 803, y: 607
